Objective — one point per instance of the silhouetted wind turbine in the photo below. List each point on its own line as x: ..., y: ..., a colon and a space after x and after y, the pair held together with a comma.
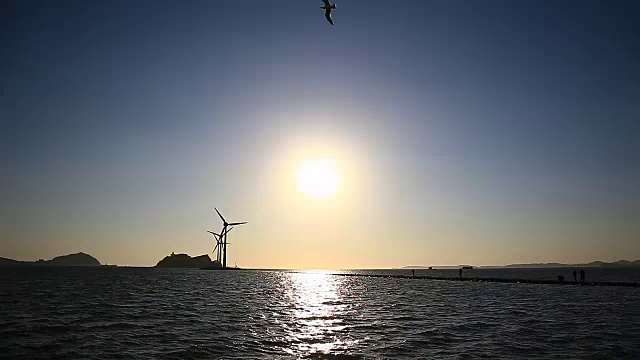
x: 224, y: 232
x: 217, y: 239
x: 328, y: 6
x: 218, y: 246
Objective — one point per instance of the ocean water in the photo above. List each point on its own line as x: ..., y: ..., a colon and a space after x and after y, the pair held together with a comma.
x: 146, y: 313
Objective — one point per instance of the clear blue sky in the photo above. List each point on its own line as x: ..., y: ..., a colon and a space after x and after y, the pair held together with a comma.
x: 482, y: 132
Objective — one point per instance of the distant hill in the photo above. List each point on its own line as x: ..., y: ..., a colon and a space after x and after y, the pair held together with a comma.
x: 536, y: 265
x: 621, y: 263
x: 9, y: 262
x: 184, y: 261
x: 78, y: 259
x: 446, y: 267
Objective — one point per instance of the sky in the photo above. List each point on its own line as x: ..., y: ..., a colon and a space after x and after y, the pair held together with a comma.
x: 464, y: 132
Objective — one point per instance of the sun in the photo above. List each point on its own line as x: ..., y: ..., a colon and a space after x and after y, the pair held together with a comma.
x: 318, y: 178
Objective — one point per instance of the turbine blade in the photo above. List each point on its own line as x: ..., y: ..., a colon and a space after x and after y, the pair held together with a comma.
x: 221, y: 217
x: 211, y: 232
x: 228, y: 230
x: 214, y: 249
x: 238, y: 223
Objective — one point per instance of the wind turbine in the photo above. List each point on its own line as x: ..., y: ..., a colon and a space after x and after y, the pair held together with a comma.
x: 218, y: 246
x: 224, y: 232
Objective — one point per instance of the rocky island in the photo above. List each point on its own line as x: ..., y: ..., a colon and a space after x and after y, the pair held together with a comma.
x: 78, y: 259
x: 184, y: 261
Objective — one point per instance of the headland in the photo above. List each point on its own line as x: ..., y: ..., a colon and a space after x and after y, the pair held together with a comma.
x: 184, y: 261
x: 78, y: 259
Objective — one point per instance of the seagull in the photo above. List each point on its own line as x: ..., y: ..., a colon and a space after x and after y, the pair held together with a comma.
x: 328, y: 6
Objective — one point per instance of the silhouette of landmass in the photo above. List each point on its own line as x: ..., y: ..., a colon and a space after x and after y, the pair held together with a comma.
x: 79, y: 259
x: 184, y: 261
x: 436, y: 267
x: 9, y: 262
x: 620, y: 263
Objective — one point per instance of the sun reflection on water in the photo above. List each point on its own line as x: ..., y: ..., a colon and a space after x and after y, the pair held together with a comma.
x: 317, y: 312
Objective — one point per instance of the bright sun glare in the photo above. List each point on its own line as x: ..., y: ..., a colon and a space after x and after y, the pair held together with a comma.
x: 318, y: 178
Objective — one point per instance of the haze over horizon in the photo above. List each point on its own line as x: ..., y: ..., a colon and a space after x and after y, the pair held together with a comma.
x: 425, y: 133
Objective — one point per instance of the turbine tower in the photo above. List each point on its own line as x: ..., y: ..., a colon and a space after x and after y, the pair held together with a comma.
x: 223, y: 233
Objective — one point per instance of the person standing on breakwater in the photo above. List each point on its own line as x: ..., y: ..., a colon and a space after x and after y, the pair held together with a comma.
x: 413, y: 273
x: 582, y: 276
x: 460, y: 272
x: 575, y: 275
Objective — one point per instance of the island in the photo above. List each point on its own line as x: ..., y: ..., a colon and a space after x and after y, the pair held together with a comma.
x: 615, y: 264
x: 78, y: 259
x: 184, y: 261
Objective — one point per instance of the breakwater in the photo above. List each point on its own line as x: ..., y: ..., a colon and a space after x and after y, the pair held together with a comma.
x: 495, y: 280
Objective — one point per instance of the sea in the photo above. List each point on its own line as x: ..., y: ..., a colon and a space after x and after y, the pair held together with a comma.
x: 148, y: 313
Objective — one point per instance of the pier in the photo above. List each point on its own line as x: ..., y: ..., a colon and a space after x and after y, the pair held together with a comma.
x: 496, y: 280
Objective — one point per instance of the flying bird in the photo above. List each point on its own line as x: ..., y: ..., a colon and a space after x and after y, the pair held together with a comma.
x: 328, y: 6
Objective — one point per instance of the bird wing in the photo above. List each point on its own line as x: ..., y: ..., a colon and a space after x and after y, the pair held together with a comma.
x: 327, y: 3
x: 327, y: 14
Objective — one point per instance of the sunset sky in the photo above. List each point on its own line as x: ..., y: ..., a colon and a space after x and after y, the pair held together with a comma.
x: 455, y: 132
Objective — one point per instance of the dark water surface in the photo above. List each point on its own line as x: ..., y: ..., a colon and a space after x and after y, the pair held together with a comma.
x: 145, y: 313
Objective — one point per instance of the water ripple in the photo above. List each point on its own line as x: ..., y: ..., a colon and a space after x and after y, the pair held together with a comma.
x: 107, y: 313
